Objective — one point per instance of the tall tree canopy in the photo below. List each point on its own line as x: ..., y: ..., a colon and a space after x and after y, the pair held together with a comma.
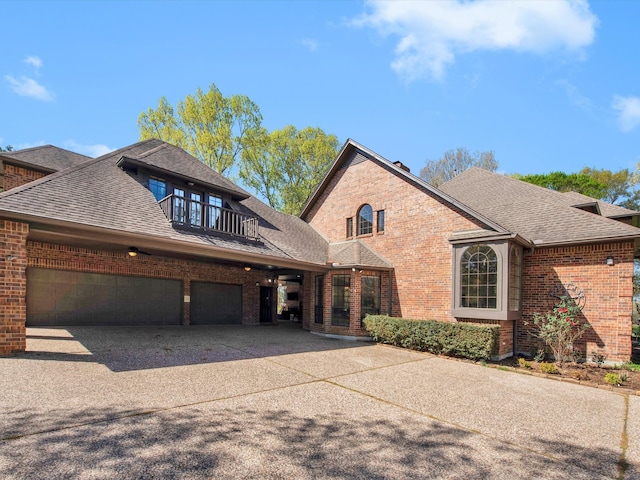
x: 8, y: 148
x: 567, y: 182
x: 226, y: 133
x: 619, y: 188
x: 286, y: 165
x: 453, y: 162
x: 210, y: 126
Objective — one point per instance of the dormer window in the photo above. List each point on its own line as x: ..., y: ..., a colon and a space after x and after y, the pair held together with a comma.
x: 158, y: 187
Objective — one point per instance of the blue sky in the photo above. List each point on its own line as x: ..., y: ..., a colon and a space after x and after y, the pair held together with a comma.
x: 546, y: 85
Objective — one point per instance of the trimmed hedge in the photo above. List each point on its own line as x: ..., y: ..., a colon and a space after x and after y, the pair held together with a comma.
x: 468, y: 340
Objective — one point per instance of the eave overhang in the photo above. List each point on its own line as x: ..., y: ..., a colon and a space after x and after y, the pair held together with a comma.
x: 127, y: 161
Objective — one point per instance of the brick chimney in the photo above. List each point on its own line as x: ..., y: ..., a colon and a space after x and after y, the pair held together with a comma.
x: 402, y: 166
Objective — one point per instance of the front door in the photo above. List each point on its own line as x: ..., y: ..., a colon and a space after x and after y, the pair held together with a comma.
x: 266, y: 311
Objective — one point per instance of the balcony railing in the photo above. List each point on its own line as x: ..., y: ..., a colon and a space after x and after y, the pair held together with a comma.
x: 186, y: 212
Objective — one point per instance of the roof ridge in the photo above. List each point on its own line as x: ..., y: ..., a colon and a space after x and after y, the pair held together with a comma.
x: 407, y: 176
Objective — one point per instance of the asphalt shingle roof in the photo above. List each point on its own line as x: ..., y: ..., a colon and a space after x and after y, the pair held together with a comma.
x: 607, y: 209
x: 538, y: 214
x: 356, y: 253
x: 46, y: 157
x: 161, y: 155
x: 100, y: 194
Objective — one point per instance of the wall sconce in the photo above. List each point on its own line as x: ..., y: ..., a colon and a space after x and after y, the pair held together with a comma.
x: 247, y: 268
x: 133, y: 251
x: 610, y: 261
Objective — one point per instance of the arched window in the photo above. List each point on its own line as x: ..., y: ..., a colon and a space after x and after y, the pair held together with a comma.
x: 479, y: 277
x: 365, y: 219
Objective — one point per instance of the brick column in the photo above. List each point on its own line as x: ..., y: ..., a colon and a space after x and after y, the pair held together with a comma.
x: 13, y: 286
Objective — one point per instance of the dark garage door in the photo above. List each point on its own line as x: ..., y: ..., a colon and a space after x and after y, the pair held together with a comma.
x: 57, y: 297
x: 215, y: 304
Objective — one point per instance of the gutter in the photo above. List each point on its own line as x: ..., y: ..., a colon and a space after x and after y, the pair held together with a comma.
x: 75, y: 231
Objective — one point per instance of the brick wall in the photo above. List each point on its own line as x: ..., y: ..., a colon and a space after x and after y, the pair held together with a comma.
x: 608, y: 291
x: 62, y: 257
x: 17, y: 176
x: 415, y: 240
x: 13, y: 261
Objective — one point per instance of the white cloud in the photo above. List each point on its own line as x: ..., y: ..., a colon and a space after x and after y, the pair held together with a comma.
x: 433, y: 33
x: 310, y: 43
x: 33, y: 61
x: 628, y: 110
x: 28, y: 87
x: 95, y: 151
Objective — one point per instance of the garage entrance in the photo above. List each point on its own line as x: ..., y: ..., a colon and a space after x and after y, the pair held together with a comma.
x: 58, y: 297
x: 215, y: 304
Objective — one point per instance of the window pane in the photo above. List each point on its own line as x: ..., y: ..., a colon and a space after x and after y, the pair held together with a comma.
x: 370, y: 296
x: 349, y: 227
x: 340, y: 300
x: 365, y: 220
x: 179, y: 206
x: 380, y: 220
x: 215, y: 204
x: 319, y: 310
x: 195, y: 210
x: 158, y: 188
x: 479, y: 278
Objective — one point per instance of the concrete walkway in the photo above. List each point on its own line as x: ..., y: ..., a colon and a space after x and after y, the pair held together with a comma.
x: 279, y: 402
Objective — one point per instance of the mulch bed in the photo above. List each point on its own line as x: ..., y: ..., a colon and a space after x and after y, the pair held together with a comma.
x: 582, y: 373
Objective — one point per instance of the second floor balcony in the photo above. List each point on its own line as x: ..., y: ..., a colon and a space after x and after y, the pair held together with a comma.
x: 191, y: 213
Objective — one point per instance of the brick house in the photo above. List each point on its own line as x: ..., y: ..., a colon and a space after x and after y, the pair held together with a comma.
x: 483, y: 248
x: 149, y: 235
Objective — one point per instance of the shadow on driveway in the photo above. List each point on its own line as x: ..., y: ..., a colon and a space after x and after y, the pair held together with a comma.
x: 131, y: 348
x: 249, y: 443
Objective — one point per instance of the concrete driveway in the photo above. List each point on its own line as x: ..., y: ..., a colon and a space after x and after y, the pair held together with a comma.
x: 279, y: 402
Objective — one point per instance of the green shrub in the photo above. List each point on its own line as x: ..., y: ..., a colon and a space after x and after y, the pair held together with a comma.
x: 615, y: 378
x: 548, y: 368
x: 522, y: 363
x: 468, y: 340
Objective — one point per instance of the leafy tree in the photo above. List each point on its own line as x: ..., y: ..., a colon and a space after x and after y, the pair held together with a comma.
x: 286, y: 165
x: 567, y: 182
x: 453, y: 162
x: 211, y: 127
x: 621, y: 186
x: 8, y: 148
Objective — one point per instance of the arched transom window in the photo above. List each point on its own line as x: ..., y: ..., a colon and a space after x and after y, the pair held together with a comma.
x: 365, y: 219
x: 479, y: 277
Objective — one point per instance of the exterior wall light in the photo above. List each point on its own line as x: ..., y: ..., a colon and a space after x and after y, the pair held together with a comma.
x: 133, y: 251
x: 610, y: 261
x: 247, y: 268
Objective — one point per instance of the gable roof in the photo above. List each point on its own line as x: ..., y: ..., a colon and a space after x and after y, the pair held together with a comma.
x: 100, y: 197
x: 46, y: 158
x: 355, y: 253
x: 350, y: 147
x: 540, y: 215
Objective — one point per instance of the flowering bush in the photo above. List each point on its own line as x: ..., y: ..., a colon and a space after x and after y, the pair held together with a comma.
x: 560, y: 328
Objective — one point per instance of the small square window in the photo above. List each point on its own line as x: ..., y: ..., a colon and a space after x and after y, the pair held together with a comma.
x: 380, y: 223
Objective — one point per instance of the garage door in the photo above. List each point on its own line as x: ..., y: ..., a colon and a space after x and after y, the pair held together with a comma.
x: 56, y: 297
x: 215, y: 304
